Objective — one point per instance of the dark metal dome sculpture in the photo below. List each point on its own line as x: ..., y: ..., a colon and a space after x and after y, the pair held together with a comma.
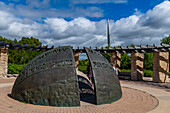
x: 51, y: 79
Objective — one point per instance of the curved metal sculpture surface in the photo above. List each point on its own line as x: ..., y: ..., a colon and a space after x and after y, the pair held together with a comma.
x: 106, y: 83
x: 49, y: 79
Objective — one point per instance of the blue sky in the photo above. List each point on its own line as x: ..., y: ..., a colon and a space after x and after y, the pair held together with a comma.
x: 83, y: 22
x: 100, y: 9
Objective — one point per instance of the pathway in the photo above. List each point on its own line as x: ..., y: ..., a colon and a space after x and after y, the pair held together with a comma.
x: 132, y: 101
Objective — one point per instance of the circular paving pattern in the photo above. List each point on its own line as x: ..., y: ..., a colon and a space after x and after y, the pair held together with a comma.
x: 132, y: 101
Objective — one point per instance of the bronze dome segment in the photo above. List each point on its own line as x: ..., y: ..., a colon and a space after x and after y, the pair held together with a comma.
x: 49, y: 79
x: 106, y: 83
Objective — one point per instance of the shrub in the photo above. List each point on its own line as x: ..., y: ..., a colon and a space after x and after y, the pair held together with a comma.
x: 15, y: 68
x: 82, y: 68
x: 124, y: 70
x: 148, y: 73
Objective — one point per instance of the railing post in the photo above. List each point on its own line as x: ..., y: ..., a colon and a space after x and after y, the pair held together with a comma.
x: 3, y: 62
x: 137, y: 66
x: 115, y: 58
x: 160, y: 67
x: 76, y: 58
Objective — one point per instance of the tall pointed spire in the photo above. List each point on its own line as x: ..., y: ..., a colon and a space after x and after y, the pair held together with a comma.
x: 108, y: 34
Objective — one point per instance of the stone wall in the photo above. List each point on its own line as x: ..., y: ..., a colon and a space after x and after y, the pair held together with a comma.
x: 3, y: 62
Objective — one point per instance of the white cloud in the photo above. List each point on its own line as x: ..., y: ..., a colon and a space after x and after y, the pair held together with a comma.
x: 138, y: 29
x: 137, y: 12
x: 158, y: 17
x: 36, y: 9
x: 5, y: 20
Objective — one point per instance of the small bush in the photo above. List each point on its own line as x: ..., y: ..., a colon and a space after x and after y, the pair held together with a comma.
x: 15, y: 68
x: 148, y: 73
x: 124, y: 70
x: 82, y: 68
x: 83, y: 64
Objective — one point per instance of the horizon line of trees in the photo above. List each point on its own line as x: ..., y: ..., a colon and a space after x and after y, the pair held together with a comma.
x: 23, y: 57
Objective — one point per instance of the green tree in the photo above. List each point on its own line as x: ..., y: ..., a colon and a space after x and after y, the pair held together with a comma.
x: 125, y: 61
x: 148, y: 61
x: 30, y: 41
x: 15, y: 41
x: 22, y: 57
x: 107, y: 56
x: 166, y: 40
x: 5, y: 40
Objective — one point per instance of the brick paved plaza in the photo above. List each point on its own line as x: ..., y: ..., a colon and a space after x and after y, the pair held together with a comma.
x: 132, y: 101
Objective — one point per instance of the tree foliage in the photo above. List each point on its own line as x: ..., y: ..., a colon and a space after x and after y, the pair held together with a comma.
x: 107, y: 56
x: 84, y: 62
x: 5, y: 40
x: 148, y: 61
x: 30, y: 41
x: 22, y: 57
x: 166, y: 40
x: 15, y: 68
x: 125, y: 61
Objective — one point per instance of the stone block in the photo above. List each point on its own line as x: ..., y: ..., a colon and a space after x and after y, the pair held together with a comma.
x: 3, y: 62
x: 115, y: 58
x: 160, y: 67
x: 137, y: 66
